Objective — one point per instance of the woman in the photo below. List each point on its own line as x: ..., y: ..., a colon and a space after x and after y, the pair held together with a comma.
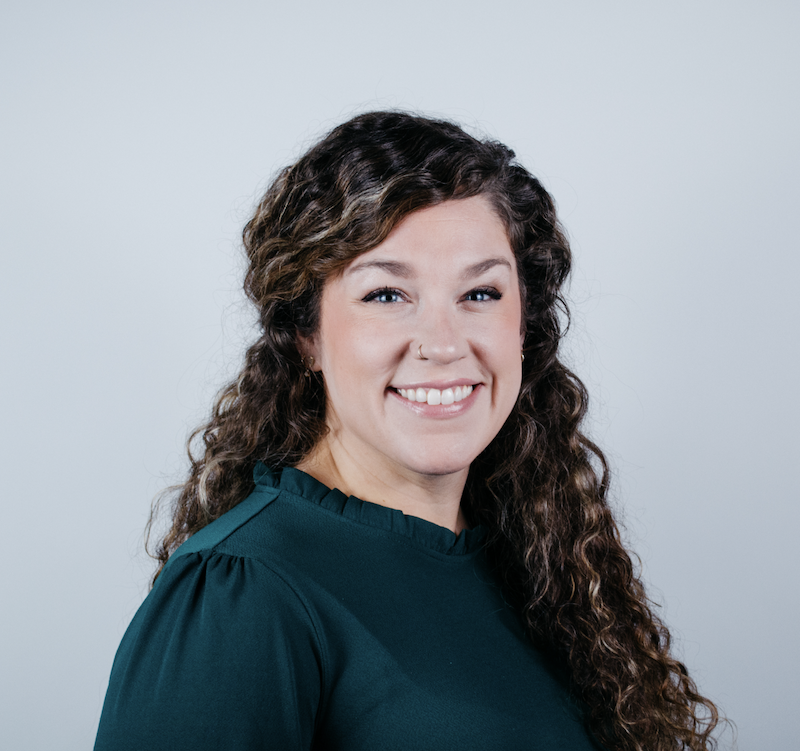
x: 397, y: 536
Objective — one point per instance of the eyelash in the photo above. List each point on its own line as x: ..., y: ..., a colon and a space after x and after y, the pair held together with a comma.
x: 379, y: 292
x: 490, y: 292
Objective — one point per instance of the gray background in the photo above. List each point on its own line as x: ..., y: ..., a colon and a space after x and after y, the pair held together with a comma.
x: 135, y: 139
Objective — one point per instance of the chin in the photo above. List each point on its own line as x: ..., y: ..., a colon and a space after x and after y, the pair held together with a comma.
x: 438, y: 466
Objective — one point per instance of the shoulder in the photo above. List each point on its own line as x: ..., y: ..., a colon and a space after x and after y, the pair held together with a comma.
x: 258, y: 554
x: 242, y: 555
x: 222, y: 628
x: 216, y: 533
x: 290, y: 523
x: 263, y: 527
x: 202, y: 594
x: 212, y: 607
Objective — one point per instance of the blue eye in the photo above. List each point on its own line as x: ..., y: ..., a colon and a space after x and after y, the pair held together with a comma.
x: 385, y: 295
x: 484, y: 294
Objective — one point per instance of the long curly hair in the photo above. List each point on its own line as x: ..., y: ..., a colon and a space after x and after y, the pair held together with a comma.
x: 540, y: 487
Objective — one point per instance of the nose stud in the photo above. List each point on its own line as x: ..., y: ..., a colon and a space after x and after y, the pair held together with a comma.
x: 419, y: 353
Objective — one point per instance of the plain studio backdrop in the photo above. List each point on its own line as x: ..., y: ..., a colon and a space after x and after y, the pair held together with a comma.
x: 136, y: 138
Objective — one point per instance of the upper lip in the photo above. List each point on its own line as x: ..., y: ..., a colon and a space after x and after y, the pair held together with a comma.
x: 441, y: 385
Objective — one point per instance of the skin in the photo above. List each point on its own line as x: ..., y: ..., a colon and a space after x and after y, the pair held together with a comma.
x: 446, y: 279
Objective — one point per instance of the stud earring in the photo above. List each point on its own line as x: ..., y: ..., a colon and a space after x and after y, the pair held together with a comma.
x: 522, y: 355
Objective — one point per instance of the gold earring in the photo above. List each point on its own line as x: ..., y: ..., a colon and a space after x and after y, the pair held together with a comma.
x: 308, y: 364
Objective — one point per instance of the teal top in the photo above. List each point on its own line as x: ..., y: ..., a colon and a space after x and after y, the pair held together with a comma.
x: 304, y: 619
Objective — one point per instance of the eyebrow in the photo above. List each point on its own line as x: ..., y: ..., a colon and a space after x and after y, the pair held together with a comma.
x: 482, y: 266
x: 404, y: 271
x: 396, y: 268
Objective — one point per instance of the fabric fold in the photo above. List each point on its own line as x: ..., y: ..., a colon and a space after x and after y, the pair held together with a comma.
x: 421, y: 532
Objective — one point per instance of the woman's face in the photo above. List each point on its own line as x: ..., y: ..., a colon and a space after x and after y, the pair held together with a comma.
x: 445, y: 280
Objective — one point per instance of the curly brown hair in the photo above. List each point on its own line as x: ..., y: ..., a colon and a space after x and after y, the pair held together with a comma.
x: 540, y: 487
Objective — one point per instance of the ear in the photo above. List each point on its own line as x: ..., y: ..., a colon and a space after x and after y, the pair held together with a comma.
x: 308, y: 348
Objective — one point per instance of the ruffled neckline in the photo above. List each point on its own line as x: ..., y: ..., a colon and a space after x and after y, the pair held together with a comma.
x: 422, y: 533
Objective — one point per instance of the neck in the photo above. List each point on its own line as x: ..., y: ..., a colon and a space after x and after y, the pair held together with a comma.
x: 435, y: 498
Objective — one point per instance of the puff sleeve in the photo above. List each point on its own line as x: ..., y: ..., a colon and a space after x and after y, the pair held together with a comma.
x: 223, y: 653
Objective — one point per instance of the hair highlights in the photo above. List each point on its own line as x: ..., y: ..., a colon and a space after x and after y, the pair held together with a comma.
x: 540, y: 486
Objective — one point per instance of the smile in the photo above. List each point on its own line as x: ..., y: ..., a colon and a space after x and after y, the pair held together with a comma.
x: 436, y: 396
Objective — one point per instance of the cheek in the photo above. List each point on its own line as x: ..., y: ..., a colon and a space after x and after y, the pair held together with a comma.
x: 508, y: 350
x: 355, y: 350
x: 505, y: 331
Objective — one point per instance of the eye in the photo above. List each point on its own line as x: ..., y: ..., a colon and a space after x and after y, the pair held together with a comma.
x: 482, y: 294
x: 385, y: 295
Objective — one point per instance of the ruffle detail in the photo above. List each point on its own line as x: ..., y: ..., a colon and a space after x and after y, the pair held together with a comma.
x: 422, y: 533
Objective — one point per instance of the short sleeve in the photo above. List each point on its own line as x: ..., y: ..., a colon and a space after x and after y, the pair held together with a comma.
x: 222, y: 654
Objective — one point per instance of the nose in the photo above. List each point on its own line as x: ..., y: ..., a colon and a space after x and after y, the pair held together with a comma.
x: 441, y: 337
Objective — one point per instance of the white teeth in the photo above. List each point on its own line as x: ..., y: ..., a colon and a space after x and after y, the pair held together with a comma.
x: 436, y: 396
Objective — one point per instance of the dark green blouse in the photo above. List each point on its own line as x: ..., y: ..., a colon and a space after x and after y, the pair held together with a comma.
x: 303, y: 619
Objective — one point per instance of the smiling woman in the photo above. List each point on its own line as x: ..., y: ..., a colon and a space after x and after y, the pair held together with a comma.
x: 445, y: 278
x: 396, y: 535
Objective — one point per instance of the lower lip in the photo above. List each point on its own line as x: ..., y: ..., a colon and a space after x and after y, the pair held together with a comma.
x: 438, y: 410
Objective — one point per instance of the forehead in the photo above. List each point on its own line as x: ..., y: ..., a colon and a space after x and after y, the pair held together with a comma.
x: 464, y: 232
